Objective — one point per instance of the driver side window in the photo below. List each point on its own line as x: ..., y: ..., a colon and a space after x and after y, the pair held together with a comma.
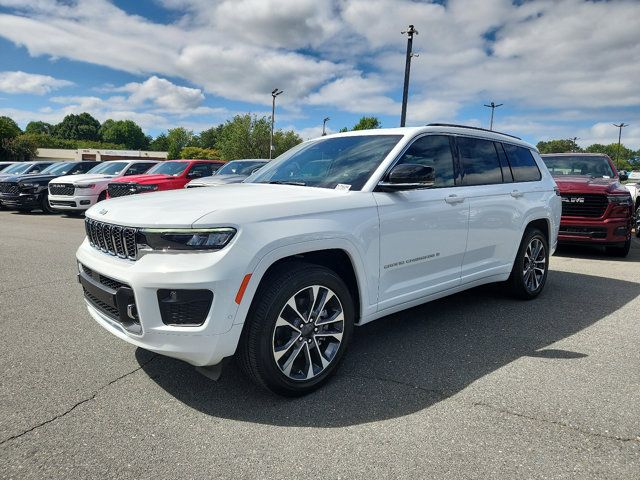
x: 432, y: 151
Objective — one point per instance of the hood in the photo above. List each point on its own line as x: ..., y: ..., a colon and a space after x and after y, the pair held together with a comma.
x: 147, y: 179
x: 83, y: 178
x: 226, y: 204
x: 29, y: 178
x: 218, y: 180
x: 584, y: 184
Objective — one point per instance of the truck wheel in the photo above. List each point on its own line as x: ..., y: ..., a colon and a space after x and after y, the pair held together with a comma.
x: 638, y: 220
x: 529, y: 272
x: 619, y: 251
x: 297, y: 329
x: 44, y: 204
x: 102, y: 196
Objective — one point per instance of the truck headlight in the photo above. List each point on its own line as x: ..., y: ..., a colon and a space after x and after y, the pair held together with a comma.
x: 89, y: 185
x: 185, y: 238
x: 27, y: 187
x: 621, y: 200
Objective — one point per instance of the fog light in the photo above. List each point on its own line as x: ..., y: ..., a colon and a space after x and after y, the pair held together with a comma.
x: 185, y: 308
x: 621, y: 231
x: 85, y: 202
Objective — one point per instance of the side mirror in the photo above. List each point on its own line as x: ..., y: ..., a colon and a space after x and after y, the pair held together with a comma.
x: 624, y: 177
x: 408, y: 176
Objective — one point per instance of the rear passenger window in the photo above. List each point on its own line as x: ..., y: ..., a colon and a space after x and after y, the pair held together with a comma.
x: 432, y: 151
x: 480, y: 163
x: 523, y: 165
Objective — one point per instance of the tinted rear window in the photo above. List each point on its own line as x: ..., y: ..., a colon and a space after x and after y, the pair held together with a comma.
x: 480, y: 164
x: 523, y: 165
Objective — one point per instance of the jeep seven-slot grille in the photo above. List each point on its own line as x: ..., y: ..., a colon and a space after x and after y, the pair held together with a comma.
x: 122, y: 189
x: 9, y: 187
x: 584, y: 205
x: 61, y: 189
x: 112, y: 239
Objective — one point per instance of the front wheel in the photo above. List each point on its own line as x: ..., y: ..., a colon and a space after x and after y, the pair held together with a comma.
x: 529, y: 272
x: 297, y: 330
x: 619, y: 250
x: 46, y: 208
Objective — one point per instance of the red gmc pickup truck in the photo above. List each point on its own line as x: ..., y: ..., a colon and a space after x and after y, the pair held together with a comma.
x: 596, y: 208
x: 168, y: 175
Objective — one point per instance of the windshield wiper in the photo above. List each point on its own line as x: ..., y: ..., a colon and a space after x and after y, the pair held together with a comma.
x: 287, y: 182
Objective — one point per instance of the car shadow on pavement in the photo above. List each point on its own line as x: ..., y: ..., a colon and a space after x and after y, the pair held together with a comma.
x: 598, y: 253
x: 411, y: 360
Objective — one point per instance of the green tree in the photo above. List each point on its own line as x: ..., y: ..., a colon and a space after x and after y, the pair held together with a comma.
x: 8, y: 128
x: 125, y: 132
x: 178, y: 138
x: 367, y: 123
x: 43, y: 140
x: 612, y: 150
x: 19, y: 149
x: 244, y: 136
x: 39, y: 127
x: 283, y: 141
x: 209, y: 137
x: 200, y: 153
x: 160, y: 143
x: 78, y: 127
x: 558, y: 146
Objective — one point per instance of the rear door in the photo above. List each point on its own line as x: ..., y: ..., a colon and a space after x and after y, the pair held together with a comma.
x: 423, y: 233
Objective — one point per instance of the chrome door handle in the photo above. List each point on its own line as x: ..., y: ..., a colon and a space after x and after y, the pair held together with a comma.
x: 452, y: 199
x: 516, y: 194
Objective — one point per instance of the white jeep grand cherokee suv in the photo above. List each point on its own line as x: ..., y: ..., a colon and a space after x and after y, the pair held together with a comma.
x: 336, y: 232
x: 76, y: 193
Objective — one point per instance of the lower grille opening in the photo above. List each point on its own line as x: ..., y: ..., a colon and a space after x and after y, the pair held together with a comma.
x: 591, y: 232
x: 184, y: 307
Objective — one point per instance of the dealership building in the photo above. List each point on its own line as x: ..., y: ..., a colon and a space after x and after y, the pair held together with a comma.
x: 67, y: 155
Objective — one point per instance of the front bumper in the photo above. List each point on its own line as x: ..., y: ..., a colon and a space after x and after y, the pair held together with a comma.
x: 610, y: 231
x: 206, y: 344
x: 20, y: 200
x: 75, y: 202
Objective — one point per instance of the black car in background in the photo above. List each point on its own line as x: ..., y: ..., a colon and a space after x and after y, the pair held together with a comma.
x: 23, y: 168
x: 5, y: 165
x: 29, y: 191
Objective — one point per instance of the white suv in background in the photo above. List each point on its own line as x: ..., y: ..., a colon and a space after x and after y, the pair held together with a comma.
x: 336, y: 232
x: 76, y: 193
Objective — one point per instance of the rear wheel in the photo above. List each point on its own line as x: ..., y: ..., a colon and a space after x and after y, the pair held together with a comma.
x: 529, y: 272
x: 297, y: 329
x: 619, y: 250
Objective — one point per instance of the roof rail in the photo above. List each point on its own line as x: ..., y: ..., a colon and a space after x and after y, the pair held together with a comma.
x: 472, y: 128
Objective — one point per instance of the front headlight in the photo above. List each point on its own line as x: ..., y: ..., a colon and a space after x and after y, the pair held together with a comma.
x: 185, y: 238
x: 27, y: 186
x: 89, y: 185
x: 622, y: 200
x: 147, y: 188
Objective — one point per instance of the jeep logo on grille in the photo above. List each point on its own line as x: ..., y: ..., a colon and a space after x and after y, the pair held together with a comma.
x: 573, y: 199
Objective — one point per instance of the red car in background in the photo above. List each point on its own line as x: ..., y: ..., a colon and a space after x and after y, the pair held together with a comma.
x: 167, y: 175
x: 596, y: 208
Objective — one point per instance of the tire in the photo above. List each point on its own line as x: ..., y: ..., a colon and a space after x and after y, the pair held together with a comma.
x: 102, y: 196
x: 637, y: 218
x: 619, y: 251
x: 292, y: 352
x: 526, y: 280
x: 44, y: 204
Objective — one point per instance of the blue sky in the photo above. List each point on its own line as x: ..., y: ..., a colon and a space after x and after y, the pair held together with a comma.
x: 562, y: 68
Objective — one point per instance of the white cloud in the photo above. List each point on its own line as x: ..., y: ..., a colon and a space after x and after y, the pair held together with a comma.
x: 163, y: 94
x: 356, y: 94
x: 35, y: 84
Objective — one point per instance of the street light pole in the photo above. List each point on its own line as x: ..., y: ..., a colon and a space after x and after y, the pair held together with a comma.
x: 619, y: 127
x: 274, y: 94
x: 324, y: 124
x: 407, y: 70
x: 493, y: 106
x: 574, y: 147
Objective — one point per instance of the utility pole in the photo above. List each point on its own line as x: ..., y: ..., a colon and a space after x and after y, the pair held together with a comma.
x: 619, y: 127
x: 407, y: 70
x: 493, y: 106
x: 324, y: 124
x: 574, y: 147
x: 274, y: 94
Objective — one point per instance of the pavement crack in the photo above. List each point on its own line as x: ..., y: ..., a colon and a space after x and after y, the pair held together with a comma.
x: 443, y: 395
x: 76, y: 405
x: 557, y: 423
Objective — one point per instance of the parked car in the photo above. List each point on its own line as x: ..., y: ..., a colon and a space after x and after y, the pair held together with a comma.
x: 634, y: 189
x: 30, y: 192
x: 5, y: 165
x: 167, y: 175
x: 24, y: 168
x: 234, y: 171
x: 596, y: 208
x: 74, y: 194
x: 278, y: 269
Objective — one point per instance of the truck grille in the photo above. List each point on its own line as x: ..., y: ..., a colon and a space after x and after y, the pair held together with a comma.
x: 122, y: 189
x: 584, y: 205
x: 112, y: 239
x: 9, y: 187
x: 61, y: 189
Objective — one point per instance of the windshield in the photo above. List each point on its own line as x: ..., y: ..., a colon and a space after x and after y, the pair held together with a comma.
x: 168, y: 168
x: 4, y: 166
x: 57, y: 169
x: 18, y: 168
x: 109, y: 168
x: 329, y: 162
x: 240, y: 167
x: 583, y: 165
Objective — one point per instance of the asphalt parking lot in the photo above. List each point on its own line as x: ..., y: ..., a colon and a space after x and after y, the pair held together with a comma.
x: 472, y: 386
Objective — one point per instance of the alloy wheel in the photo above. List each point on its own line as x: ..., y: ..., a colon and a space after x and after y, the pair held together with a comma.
x: 534, y: 265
